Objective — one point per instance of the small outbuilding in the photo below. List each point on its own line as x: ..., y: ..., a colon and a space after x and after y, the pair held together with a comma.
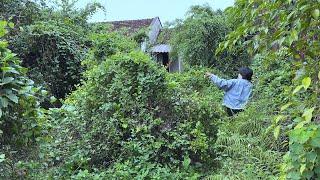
x: 161, y: 53
x: 153, y: 26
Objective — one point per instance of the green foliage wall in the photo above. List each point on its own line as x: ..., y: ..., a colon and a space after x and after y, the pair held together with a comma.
x: 196, y: 39
x: 288, y: 31
x: 21, y: 118
x: 53, y: 51
x: 21, y: 12
x: 127, y: 110
x: 19, y: 100
x: 104, y: 44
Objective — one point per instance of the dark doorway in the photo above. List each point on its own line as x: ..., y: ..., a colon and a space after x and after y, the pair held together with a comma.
x: 165, y: 60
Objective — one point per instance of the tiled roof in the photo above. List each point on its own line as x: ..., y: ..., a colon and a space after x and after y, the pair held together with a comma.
x: 132, y: 25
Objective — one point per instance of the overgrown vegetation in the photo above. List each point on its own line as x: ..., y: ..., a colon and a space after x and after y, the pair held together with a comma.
x: 53, y: 52
x: 52, y: 43
x: 196, y: 39
x: 122, y: 116
x: 148, y: 120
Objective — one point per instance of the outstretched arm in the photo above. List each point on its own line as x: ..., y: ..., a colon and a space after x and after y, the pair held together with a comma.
x: 221, y: 83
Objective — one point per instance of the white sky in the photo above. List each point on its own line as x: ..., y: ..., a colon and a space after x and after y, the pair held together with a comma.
x: 167, y: 10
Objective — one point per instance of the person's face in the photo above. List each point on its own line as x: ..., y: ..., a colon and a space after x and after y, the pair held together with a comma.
x: 239, y: 76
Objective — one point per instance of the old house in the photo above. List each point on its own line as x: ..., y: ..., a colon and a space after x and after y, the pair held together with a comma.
x: 149, y: 44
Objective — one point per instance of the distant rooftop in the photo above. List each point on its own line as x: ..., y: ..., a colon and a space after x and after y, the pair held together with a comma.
x: 132, y: 25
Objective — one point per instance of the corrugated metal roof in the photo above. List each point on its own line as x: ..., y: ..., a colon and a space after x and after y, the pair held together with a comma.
x: 161, y: 48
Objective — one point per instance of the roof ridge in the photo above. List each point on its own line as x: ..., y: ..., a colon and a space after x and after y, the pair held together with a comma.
x: 133, y: 20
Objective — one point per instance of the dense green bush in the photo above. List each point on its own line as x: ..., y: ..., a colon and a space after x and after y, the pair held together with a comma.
x: 21, y: 119
x: 126, y: 109
x: 196, y: 39
x: 279, y: 30
x: 130, y: 119
x: 53, y: 51
x: 21, y: 12
x: 104, y: 44
x: 19, y: 100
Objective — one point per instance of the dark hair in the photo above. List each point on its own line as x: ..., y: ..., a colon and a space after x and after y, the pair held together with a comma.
x: 246, y: 73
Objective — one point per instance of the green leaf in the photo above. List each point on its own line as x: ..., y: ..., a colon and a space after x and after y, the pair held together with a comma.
x: 302, y: 168
x: 276, y: 132
x: 6, y: 80
x: 4, y: 102
x: 306, y: 82
x: 2, y: 157
x: 125, y: 125
x: 315, y: 142
x: 293, y: 175
x: 315, y: 14
x: 297, y: 89
x: 0, y: 116
x: 13, y: 98
x: 317, y: 170
x: 311, y: 156
x: 284, y: 107
x: 3, y: 44
x: 186, y: 162
x: 3, y: 31
x: 294, y: 35
x: 11, y: 25
x: 10, y: 70
x: 308, y: 114
x: 53, y: 99
x: 226, y: 44
x: 279, y: 118
x: 3, y: 24
x: 300, y: 135
x: 300, y: 125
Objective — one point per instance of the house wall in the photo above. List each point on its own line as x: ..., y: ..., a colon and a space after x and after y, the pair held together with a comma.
x: 155, y: 29
x: 143, y: 46
x: 176, y: 66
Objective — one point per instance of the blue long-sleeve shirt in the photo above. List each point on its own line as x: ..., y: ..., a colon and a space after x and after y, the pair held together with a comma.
x: 237, y: 91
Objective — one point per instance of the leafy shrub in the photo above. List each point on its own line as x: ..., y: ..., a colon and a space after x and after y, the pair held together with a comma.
x: 192, y: 80
x: 19, y: 100
x: 126, y: 109
x: 198, y: 36
x: 105, y: 44
x: 21, y: 12
x: 196, y: 39
x: 21, y: 119
x: 296, y: 28
x: 53, y: 51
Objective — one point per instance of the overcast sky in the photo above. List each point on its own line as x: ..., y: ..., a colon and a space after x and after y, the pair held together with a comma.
x: 167, y: 10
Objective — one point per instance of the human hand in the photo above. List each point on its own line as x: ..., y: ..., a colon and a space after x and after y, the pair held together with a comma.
x: 207, y: 75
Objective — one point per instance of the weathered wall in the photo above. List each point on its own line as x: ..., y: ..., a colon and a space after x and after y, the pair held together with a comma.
x: 176, y: 66
x: 155, y: 29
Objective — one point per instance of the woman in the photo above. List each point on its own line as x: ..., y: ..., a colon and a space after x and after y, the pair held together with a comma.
x: 237, y: 91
